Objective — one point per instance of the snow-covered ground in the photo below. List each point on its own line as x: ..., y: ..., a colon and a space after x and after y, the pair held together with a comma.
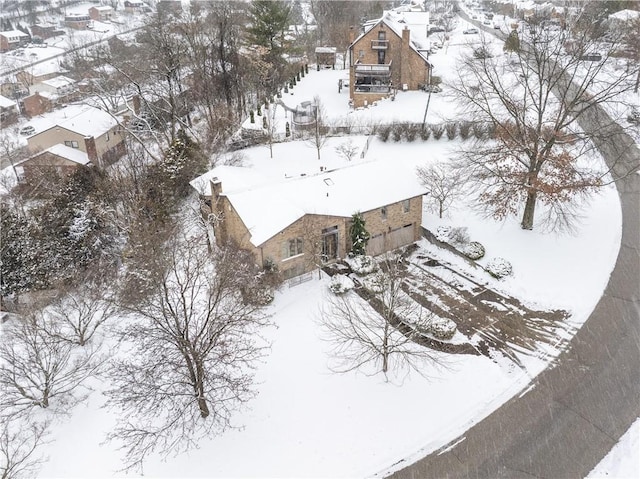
x: 309, y: 422
x: 623, y: 461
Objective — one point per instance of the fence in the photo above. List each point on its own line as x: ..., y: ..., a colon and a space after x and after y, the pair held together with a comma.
x: 366, y: 146
x: 303, y: 278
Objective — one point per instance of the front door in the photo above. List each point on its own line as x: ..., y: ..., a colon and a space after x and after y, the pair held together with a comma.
x: 329, y: 244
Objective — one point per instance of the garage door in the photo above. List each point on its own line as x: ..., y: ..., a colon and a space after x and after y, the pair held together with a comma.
x: 375, y: 245
x: 400, y: 237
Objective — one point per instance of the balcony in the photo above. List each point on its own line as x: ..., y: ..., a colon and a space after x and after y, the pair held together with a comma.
x: 373, y: 70
x: 379, y: 44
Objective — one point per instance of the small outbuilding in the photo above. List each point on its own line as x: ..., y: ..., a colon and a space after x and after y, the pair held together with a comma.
x: 326, y: 57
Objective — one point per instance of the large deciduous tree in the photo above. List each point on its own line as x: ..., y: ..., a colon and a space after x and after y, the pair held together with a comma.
x: 542, y: 107
x: 192, y: 342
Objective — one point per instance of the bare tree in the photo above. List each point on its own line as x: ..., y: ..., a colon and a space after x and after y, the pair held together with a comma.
x: 318, y: 136
x: 272, y: 124
x: 77, y: 313
x: 443, y: 184
x: 533, y: 103
x: 191, y: 345
x: 18, y: 448
x: 380, y: 332
x: 37, y: 368
x: 347, y: 150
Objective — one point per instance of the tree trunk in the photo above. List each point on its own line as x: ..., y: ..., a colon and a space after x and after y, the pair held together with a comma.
x: 204, y: 408
x: 441, y: 208
x: 529, y: 210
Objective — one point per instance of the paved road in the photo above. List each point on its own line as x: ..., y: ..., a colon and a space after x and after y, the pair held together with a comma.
x: 578, y: 409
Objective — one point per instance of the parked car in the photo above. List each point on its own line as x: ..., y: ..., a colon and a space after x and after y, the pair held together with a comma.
x: 432, y: 88
x: 591, y: 57
x: 27, y: 130
x: 470, y: 31
x: 496, y: 26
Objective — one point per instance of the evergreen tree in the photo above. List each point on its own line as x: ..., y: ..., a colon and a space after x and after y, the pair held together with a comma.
x: 359, y: 235
x: 512, y: 43
x: 269, y: 19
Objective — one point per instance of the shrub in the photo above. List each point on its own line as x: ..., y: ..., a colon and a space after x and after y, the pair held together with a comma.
x: 473, y: 250
x: 479, y: 131
x: 286, y: 88
x: 442, y: 233
x: 458, y: 236
x: 362, y: 264
x: 438, y: 131
x: 439, y: 328
x: 435, y: 80
x: 499, y: 268
x: 425, y: 133
x: 411, y: 131
x: 340, y: 284
x: 252, y: 117
x: 465, y: 129
x: 259, y: 110
x: 374, y: 282
x: 396, y: 132
x: 384, y: 132
x: 451, y: 128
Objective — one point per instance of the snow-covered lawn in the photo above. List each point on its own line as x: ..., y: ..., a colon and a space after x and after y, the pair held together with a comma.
x: 309, y: 422
x: 623, y: 461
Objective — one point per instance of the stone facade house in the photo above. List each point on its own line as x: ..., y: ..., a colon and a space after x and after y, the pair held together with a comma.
x: 38, y: 103
x: 300, y: 223
x: 390, y: 55
x: 90, y: 130
x: 77, y: 21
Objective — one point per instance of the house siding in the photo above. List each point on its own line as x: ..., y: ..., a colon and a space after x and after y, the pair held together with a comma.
x: 309, y: 229
x: 407, y: 66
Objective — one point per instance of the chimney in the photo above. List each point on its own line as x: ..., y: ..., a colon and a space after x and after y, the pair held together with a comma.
x: 92, y: 151
x: 352, y: 34
x: 405, y: 69
x: 217, y: 210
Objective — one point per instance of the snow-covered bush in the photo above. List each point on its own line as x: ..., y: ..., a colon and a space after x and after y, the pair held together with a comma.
x: 437, y: 130
x: 473, y: 250
x: 340, y: 284
x: 442, y: 233
x: 499, y: 268
x: 458, y: 236
x: 362, y: 264
x: 439, y: 328
x: 374, y: 282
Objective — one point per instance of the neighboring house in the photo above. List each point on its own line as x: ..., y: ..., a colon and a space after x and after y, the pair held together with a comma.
x: 621, y: 20
x: 60, y: 86
x: 12, y: 89
x: 45, y: 31
x: 12, y: 39
x: 8, y: 111
x: 88, y: 129
x: 77, y: 21
x: 326, y: 57
x: 38, y: 103
x: 40, y: 72
x: 61, y: 159
x: 301, y: 222
x: 133, y: 6
x: 391, y: 54
x: 101, y: 13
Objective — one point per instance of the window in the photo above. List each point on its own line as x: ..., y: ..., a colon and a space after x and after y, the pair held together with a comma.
x: 292, y: 247
x: 72, y: 144
x: 107, y: 138
x: 382, y: 35
x: 361, y: 53
x: 406, y: 206
x: 381, y: 57
x: 383, y: 212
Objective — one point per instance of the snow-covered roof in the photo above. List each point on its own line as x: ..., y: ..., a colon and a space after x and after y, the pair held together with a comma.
x: 625, y: 15
x: 68, y: 153
x: 6, y: 102
x: 234, y: 178
x: 104, y: 8
x: 60, y: 81
x: 13, y: 33
x: 326, y: 49
x: 82, y: 119
x: 269, y: 208
x: 416, y: 22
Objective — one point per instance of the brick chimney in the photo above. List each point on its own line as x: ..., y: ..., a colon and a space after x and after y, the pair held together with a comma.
x: 405, y: 68
x: 92, y: 151
x: 217, y: 210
